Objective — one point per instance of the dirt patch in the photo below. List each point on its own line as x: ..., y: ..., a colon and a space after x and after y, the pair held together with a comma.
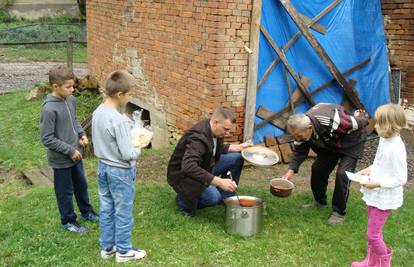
x: 19, y: 75
x: 153, y: 167
x: 7, y: 174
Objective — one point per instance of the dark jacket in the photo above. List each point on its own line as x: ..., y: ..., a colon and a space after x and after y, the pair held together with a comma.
x: 334, y: 130
x: 191, y: 164
x: 60, y: 130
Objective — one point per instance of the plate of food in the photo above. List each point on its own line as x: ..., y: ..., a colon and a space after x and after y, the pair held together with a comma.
x: 260, y: 156
x: 356, y: 177
x: 141, y: 138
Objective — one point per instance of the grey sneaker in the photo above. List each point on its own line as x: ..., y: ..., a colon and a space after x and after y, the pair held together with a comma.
x: 314, y: 204
x: 336, y: 218
x: 74, y: 227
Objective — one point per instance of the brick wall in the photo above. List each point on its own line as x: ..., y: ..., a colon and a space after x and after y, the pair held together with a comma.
x: 399, y: 28
x: 187, y: 57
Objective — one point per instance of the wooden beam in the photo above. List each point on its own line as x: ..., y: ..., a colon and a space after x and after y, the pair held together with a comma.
x: 267, y: 115
x: 250, y: 106
x: 349, y: 92
x: 292, y: 107
x: 282, y: 57
x: 294, y: 39
x: 279, y: 121
x: 296, y: 97
x: 316, y: 27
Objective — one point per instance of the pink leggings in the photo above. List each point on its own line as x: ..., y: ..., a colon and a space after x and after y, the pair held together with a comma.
x: 376, y: 220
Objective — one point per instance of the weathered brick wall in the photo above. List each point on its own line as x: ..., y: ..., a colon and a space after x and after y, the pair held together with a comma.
x: 399, y: 28
x: 188, y: 57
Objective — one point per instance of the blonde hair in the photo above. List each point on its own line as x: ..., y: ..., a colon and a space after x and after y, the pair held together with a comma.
x: 390, y: 119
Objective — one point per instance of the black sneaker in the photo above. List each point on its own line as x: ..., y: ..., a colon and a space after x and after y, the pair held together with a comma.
x: 91, y: 217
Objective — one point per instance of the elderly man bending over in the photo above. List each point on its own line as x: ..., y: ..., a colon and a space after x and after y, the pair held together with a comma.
x: 335, y: 136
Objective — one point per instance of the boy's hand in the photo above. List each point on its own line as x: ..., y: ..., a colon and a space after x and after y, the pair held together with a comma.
x: 76, y: 156
x: 83, y: 141
x: 370, y: 184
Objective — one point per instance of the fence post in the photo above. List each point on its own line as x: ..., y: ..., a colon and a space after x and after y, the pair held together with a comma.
x: 70, y: 53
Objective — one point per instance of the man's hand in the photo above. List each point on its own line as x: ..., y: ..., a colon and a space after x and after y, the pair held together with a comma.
x: 225, y: 184
x: 289, y: 175
x: 76, y: 156
x: 83, y: 141
x: 361, y: 113
x: 370, y: 184
x: 239, y: 147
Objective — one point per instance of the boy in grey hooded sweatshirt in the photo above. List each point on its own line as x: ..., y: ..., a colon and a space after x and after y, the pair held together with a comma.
x: 63, y: 137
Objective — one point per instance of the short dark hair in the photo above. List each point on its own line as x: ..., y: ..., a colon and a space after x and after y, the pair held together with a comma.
x: 118, y: 81
x: 60, y: 74
x: 224, y: 113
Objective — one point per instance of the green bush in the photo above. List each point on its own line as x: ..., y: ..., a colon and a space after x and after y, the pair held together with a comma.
x: 5, y: 17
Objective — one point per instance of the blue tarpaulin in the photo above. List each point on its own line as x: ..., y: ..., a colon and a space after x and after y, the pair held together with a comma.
x: 355, y: 32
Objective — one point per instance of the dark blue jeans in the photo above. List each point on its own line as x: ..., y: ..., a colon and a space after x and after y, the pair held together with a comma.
x: 212, y: 195
x: 67, y: 182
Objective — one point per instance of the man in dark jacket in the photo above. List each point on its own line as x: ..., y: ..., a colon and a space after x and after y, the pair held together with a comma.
x: 198, y: 160
x: 335, y: 136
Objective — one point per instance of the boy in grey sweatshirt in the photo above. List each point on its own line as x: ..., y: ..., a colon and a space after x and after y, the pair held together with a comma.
x: 63, y: 137
x: 111, y: 134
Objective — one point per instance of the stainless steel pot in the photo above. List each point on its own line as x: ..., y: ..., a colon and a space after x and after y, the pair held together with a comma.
x: 244, y: 221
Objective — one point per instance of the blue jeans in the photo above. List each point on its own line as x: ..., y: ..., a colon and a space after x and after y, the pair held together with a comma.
x: 212, y: 195
x: 116, y: 196
x: 68, y: 182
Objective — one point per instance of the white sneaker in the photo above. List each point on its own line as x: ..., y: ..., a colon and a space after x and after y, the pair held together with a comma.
x: 105, y: 254
x: 133, y: 254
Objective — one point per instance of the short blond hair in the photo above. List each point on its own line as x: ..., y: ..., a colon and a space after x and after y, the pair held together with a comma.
x: 390, y: 120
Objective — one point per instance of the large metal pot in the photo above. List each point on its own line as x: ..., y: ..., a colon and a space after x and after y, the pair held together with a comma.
x: 244, y: 221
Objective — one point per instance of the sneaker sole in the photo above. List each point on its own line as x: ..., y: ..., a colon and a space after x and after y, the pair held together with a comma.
x: 120, y: 260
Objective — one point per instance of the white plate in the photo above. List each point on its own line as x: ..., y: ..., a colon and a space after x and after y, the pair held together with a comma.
x: 356, y: 177
x: 260, y: 156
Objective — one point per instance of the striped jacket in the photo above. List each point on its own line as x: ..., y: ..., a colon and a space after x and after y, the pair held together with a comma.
x: 334, y: 129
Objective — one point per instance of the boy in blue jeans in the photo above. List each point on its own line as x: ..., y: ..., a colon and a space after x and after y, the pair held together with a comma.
x: 111, y: 134
x: 63, y: 137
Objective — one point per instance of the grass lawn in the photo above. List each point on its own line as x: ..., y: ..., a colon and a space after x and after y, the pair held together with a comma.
x: 20, y: 145
x: 36, y: 33
x: 55, y: 53
x: 30, y: 233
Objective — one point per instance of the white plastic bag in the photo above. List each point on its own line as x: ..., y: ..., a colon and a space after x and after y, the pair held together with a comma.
x: 141, y: 135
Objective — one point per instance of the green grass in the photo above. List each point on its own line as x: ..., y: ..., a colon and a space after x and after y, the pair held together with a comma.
x: 20, y: 145
x: 55, y: 53
x: 30, y: 233
x: 47, y: 31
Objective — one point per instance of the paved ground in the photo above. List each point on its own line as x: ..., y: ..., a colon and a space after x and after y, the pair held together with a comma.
x: 21, y: 75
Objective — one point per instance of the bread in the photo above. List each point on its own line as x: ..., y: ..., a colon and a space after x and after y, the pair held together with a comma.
x: 141, y: 138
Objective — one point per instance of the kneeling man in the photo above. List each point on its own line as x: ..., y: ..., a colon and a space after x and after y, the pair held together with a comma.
x: 200, y: 158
